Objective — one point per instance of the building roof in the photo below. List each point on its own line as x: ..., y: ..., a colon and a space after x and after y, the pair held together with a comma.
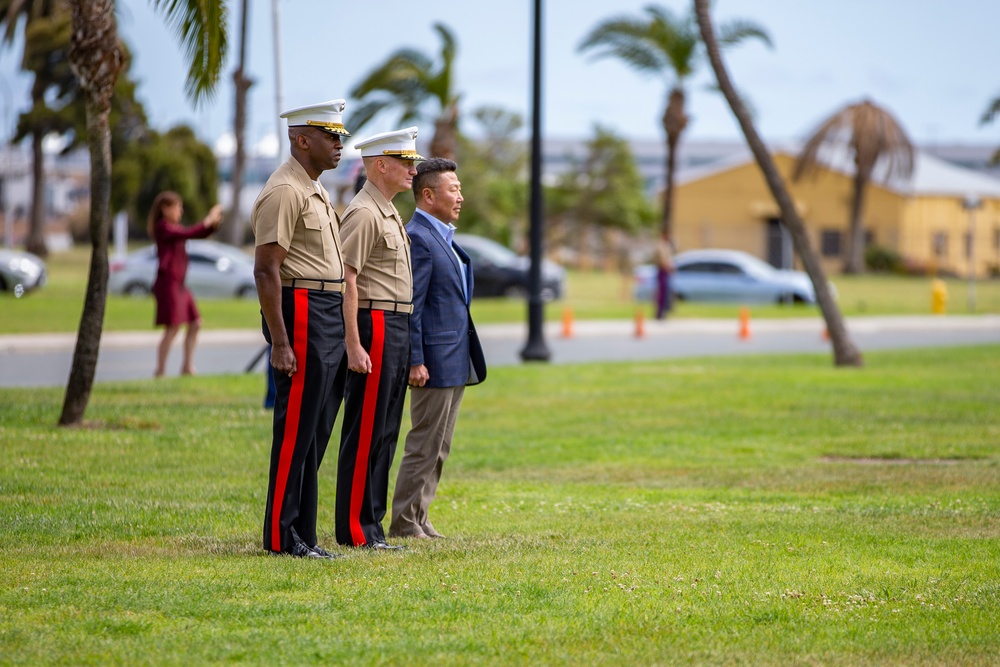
x: 932, y: 176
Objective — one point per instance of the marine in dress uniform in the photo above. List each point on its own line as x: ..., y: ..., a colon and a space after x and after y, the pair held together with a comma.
x: 299, y: 271
x: 377, y: 307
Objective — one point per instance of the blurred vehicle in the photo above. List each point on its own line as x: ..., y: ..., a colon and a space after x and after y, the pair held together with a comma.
x: 726, y: 275
x: 499, y: 271
x: 19, y: 268
x: 214, y: 270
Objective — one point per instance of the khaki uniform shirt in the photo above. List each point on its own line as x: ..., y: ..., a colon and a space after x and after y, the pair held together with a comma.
x: 291, y: 212
x: 376, y: 245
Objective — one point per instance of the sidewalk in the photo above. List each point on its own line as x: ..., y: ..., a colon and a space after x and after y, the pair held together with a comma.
x: 14, y: 343
x: 44, y: 360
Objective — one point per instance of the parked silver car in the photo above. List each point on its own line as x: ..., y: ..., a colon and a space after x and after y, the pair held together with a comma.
x: 727, y: 275
x: 214, y: 270
x: 20, y: 272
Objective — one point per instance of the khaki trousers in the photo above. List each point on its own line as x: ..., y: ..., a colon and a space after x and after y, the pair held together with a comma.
x: 433, y: 412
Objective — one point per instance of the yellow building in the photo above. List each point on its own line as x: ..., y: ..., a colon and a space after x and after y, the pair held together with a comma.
x: 926, y: 218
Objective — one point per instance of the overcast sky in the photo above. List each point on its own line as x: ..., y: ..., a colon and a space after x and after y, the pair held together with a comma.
x: 934, y: 63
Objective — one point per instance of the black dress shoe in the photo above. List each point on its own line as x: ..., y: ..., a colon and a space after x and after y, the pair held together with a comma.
x: 382, y: 546
x: 303, y: 550
x: 300, y: 550
x: 326, y: 554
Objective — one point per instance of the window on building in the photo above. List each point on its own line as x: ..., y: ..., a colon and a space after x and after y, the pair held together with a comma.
x: 829, y: 242
x: 939, y: 244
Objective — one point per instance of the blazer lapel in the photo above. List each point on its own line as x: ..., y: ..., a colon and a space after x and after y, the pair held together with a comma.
x: 422, y: 219
x: 464, y: 256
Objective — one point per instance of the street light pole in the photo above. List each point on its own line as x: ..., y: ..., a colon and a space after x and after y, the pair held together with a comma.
x: 535, y: 349
x: 970, y: 204
x: 279, y: 101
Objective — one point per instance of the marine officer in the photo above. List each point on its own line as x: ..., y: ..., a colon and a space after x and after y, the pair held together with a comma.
x: 377, y: 307
x: 299, y: 272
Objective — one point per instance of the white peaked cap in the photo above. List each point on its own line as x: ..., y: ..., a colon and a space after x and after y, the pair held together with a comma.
x: 326, y: 116
x: 398, y: 143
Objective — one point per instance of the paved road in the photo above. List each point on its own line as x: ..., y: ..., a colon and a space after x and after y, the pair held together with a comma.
x: 44, y: 359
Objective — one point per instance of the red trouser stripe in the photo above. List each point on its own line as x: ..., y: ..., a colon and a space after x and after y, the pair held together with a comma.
x: 299, y: 335
x: 367, y: 425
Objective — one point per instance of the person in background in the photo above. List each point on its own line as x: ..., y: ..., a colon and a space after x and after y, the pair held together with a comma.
x: 174, y: 303
x: 664, y: 267
x: 377, y: 307
x: 445, y: 353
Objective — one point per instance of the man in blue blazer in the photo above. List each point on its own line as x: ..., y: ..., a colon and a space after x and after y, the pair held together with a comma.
x: 445, y: 354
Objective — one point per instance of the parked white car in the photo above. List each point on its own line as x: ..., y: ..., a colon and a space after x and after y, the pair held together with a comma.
x: 214, y: 270
x: 20, y: 272
x: 727, y: 275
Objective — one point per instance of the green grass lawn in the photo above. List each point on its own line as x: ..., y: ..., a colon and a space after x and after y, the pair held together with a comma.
x: 589, y: 295
x: 752, y: 510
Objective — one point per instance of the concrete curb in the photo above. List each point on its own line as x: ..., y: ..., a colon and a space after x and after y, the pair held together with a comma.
x: 585, y: 328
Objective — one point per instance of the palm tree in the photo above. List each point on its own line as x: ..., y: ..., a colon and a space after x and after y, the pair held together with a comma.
x: 96, y: 57
x: 668, y: 46
x: 236, y: 225
x: 46, y: 36
x: 844, y: 351
x: 408, y: 80
x: 872, y: 136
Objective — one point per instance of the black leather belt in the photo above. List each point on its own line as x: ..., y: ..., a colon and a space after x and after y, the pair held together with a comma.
x: 318, y: 285
x: 392, y: 306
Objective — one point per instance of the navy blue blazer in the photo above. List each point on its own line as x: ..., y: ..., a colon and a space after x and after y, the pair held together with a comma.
x: 442, y: 336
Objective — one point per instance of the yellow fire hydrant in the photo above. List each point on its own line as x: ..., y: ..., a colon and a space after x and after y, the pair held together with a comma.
x: 939, y: 296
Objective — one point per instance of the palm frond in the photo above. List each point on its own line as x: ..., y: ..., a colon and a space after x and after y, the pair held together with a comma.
x: 441, y: 85
x: 408, y: 79
x: 201, y: 27
x: 736, y: 31
x: 396, y: 72
x: 991, y: 111
x: 870, y: 133
x: 356, y: 118
x: 449, y: 45
x: 626, y: 39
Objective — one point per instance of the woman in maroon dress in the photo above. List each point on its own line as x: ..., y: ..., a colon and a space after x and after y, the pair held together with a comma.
x: 174, y: 304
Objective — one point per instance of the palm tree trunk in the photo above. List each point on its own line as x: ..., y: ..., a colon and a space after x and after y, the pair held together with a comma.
x: 36, y: 229
x: 445, y: 141
x: 844, y: 351
x: 674, y: 121
x: 96, y: 59
x: 855, y: 262
x: 236, y: 224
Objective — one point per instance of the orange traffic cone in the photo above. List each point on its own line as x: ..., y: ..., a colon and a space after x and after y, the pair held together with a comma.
x: 640, y: 323
x: 744, y: 323
x: 567, y: 322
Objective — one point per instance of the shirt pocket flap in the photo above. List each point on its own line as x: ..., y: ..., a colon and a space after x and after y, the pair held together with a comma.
x: 391, y: 241
x: 440, y: 338
x: 313, y: 220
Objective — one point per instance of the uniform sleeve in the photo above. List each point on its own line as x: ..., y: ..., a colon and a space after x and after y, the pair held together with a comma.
x: 359, y: 232
x: 274, y: 215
